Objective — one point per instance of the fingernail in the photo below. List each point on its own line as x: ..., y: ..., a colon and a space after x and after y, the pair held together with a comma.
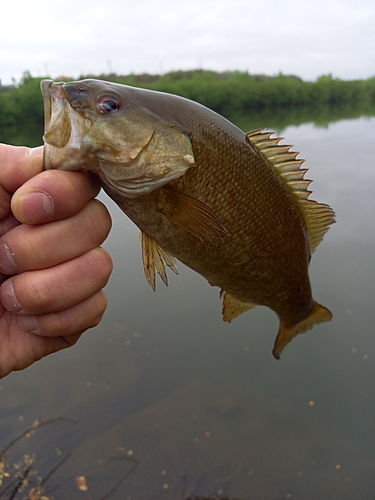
x: 7, y: 264
x: 36, y: 151
x: 34, y: 207
x: 28, y: 324
x: 8, y: 297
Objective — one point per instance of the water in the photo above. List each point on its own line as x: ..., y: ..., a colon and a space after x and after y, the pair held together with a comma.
x: 201, y: 405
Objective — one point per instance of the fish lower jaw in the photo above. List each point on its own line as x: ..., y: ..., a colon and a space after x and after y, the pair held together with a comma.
x: 67, y: 159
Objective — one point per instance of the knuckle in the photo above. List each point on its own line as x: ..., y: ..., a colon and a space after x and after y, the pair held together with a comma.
x: 79, y: 318
x: 99, y: 220
x: 107, y: 264
x: 99, y: 309
x: 100, y: 265
x: 39, y: 295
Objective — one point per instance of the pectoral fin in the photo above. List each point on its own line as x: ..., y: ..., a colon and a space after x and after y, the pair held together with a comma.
x: 194, y: 216
x: 155, y: 258
x: 233, y: 307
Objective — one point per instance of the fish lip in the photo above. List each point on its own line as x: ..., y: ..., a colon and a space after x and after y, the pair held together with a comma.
x: 44, y: 87
x: 54, y: 98
x: 64, y: 130
x: 54, y: 101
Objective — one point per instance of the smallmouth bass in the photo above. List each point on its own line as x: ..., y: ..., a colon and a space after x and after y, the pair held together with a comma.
x: 232, y: 206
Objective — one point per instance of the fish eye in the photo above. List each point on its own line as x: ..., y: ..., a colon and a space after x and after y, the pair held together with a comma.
x: 108, y: 105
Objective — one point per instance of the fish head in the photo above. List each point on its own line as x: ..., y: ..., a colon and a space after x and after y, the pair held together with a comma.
x: 107, y: 128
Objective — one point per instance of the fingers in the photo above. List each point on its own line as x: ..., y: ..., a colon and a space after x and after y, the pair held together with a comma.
x: 8, y: 223
x: 58, y: 288
x: 18, y: 165
x: 70, y: 323
x: 27, y: 248
x: 51, y: 229
x: 57, y: 331
x: 53, y: 195
x: 40, y: 196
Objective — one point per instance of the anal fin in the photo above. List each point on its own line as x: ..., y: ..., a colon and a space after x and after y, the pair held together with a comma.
x: 155, y: 258
x: 233, y: 307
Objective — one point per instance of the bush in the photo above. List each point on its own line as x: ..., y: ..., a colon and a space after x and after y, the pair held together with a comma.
x: 280, y: 99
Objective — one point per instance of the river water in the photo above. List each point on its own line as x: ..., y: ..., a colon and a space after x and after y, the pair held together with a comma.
x: 170, y: 401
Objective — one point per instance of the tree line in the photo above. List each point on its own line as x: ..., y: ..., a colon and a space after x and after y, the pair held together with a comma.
x: 233, y: 94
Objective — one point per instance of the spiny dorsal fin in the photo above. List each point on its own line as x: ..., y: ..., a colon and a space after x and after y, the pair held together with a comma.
x: 317, y: 216
x: 155, y: 258
x: 233, y: 307
x: 195, y: 216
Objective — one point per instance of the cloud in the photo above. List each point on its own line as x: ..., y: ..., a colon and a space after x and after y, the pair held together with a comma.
x: 73, y: 38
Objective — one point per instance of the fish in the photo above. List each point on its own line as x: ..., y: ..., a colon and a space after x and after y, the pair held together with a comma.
x: 232, y: 206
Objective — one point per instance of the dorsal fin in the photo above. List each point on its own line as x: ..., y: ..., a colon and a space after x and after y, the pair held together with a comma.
x: 317, y: 216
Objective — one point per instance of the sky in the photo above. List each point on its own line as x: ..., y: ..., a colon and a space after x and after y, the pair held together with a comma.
x: 307, y: 38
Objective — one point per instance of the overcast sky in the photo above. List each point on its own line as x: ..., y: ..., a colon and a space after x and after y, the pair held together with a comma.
x: 74, y: 37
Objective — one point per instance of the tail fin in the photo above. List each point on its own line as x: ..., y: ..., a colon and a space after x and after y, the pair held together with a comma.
x: 319, y: 314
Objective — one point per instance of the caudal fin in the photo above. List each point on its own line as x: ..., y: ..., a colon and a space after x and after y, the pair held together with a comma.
x: 319, y: 314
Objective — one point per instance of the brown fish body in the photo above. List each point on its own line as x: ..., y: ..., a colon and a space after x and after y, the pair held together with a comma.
x: 267, y: 236
x: 239, y: 215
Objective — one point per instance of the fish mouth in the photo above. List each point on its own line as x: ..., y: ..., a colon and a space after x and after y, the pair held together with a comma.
x: 44, y: 87
x: 64, y: 129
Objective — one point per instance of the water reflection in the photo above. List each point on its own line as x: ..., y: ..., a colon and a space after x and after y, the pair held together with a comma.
x: 164, y: 377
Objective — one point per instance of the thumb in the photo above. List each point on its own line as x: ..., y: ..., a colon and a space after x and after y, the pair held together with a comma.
x: 18, y: 165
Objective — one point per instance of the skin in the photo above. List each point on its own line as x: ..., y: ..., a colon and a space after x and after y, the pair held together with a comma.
x: 51, y: 289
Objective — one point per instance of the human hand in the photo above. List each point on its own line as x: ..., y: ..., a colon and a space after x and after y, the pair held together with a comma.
x: 52, y: 269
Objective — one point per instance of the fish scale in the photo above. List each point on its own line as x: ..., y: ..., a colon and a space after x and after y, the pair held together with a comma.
x: 233, y: 207
x: 248, y: 243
